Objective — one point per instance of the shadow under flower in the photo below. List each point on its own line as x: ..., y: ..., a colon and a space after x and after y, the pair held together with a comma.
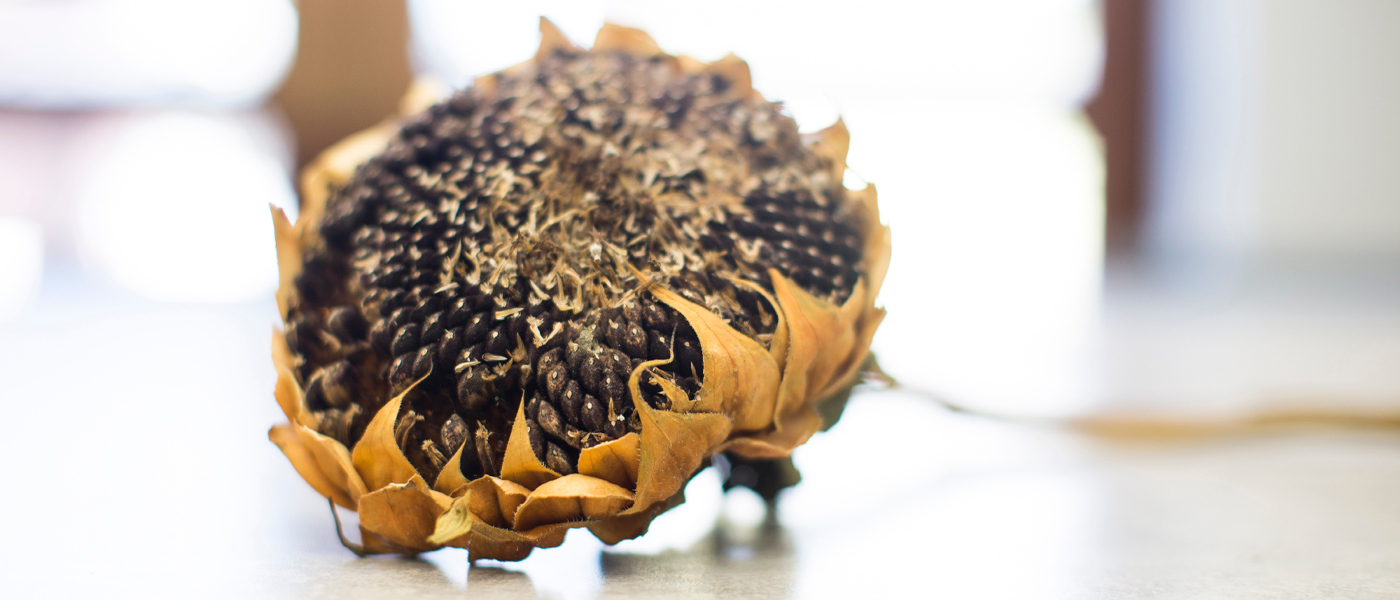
x: 735, y: 560
x: 489, y: 581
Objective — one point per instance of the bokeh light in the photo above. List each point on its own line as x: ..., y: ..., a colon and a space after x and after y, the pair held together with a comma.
x: 177, y: 209
x: 98, y: 53
x: 21, y: 264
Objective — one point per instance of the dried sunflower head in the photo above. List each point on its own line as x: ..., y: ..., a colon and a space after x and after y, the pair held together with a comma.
x: 545, y: 302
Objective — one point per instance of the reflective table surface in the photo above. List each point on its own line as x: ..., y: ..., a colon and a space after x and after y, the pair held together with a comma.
x: 137, y: 465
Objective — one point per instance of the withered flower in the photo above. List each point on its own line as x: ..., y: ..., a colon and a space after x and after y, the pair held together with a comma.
x: 547, y: 301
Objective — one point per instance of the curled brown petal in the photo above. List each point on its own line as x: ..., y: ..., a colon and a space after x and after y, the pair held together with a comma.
x: 404, y: 513
x: 496, y: 543
x: 822, y: 338
x: 321, y: 461
x: 572, y: 498
x: 866, y: 316
x: 877, y: 242
x: 626, y: 39
x: 833, y: 143
x: 866, y: 325
x: 672, y: 447
x: 289, y: 397
x: 495, y: 501
x: 454, y: 524
x: 615, y: 461
x: 551, y: 40
x: 451, y: 479
x: 628, y: 524
x: 288, y: 258
x: 749, y: 394
x: 736, y: 71
x: 777, y: 347
x: 520, y: 464
x: 377, y: 456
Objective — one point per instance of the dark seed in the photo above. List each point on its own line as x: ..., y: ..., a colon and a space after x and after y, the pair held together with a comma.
x: 549, y: 420
x: 688, y: 354
x: 399, y: 318
x: 458, y: 312
x: 381, y: 335
x: 471, y: 354
x: 633, y: 312
x: 618, y: 363
x: 593, y: 413
x: 612, y: 389
x: 658, y: 347
x: 476, y: 330
x: 433, y: 327
x: 613, y: 330
x: 656, y: 317
x: 571, y: 401
x: 449, y: 348
x: 454, y: 432
x: 635, y: 340
x: 547, y: 361
x: 536, y: 435
x: 423, y: 364
x: 337, y: 384
x: 302, y: 338
x: 497, y: 342
x: 316, y: 396
x: 574, y: 355
x: 395, y: 298
x: 405, y: 340
x: 615, y: 428
x: 336, y: 423
x: 574, y: 437
x: 558, y: 460
x: 401, y: 372
x: 428, y: 303
x: 473, y: 391
x: 655, y: 399
x: 517, y: 326
x: 690, y: 385
x: 551, y: 358
x: 555, y: 380
x: 532, y: 408
x: 348, y: 324
x: 591, y: 370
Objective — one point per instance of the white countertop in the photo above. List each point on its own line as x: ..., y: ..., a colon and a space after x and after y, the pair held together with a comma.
x: 138, y: 466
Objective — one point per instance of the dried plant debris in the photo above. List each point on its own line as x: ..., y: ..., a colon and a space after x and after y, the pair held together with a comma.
x: 576, y: 273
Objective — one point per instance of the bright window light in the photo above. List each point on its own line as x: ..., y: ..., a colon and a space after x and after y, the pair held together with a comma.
x: 997, y: 218
x: 459, y: 40
x: 176, y: 209
x: 21, y: 265
x: 96, y: 53
x: 1040, y: 50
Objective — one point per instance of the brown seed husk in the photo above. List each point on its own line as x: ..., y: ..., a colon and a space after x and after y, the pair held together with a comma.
x: 753, y: 402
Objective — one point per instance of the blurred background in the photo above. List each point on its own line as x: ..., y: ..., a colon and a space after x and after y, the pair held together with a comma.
x: 1183, y: 209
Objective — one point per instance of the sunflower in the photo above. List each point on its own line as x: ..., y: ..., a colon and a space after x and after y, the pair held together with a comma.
x: 548, y: 300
